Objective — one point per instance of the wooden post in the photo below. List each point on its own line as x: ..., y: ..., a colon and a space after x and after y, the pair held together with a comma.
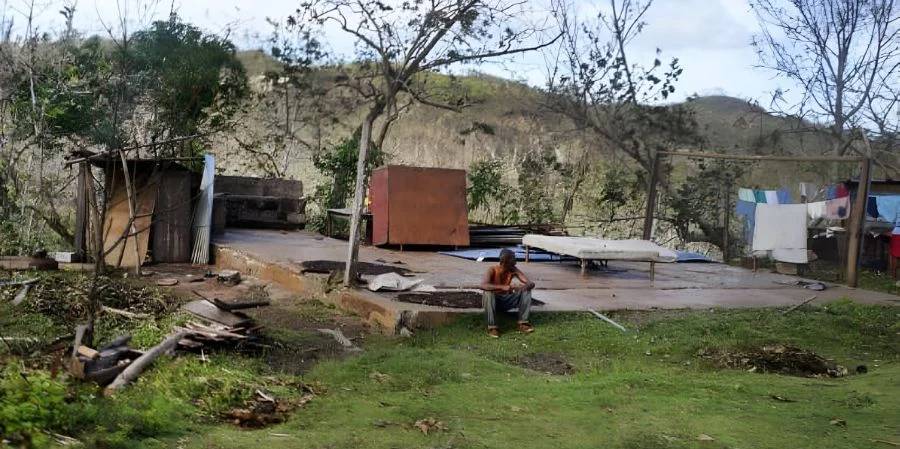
x: 857, y: 223
x: 650, y: 211
x: 727, y: 224
x: 358, y: 197
x: 81, y: 213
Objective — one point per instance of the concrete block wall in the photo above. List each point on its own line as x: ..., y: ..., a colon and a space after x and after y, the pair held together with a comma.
x: 245, y: 202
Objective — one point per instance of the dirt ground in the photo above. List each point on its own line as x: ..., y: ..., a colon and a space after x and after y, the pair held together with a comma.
x: 777, y: 359
x: 546, y: 362
x: 364, y: 268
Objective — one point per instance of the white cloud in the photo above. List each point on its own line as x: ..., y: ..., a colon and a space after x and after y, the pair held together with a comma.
x: 711, y: 38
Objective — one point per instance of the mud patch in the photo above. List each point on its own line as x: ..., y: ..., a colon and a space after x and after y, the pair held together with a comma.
x: 777, y: 359
x: 264, y: 410
x: 546, y: 362
x: 291, y: 343
x: 455, y: 300
x: 364, y: 268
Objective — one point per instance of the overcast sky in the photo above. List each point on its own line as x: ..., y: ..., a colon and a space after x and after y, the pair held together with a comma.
x: 711, y: 38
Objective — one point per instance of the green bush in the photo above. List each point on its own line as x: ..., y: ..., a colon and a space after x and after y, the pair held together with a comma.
x: 30, y: 402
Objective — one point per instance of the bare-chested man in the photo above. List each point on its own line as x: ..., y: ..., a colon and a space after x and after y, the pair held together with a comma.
x: 500, y: 295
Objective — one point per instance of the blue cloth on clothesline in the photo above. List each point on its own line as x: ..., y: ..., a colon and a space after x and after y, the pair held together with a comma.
x: 888, y: 207
x: 747, y: 210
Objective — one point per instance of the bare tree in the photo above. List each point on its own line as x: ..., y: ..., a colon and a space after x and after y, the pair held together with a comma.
x: 594, y: 83
x: 290, y: 102
x: 838, y: 53
x: 399, y: 44
x: 617, y: 103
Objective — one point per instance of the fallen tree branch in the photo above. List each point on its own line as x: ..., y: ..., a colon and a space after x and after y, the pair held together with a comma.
x: 797, y: 306
x: 23, y: 293
x: 23, y: 339
x: 14, y: 283
x: 141, y: 363
x: 126, y: 313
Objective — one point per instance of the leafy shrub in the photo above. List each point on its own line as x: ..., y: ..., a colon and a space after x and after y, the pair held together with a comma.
x: 29, y: 404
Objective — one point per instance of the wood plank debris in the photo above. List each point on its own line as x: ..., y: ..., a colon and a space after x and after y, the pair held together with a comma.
x: 116, y: 365
x: 125, y: 313
x: 85, y: 351
x: 207, y: 310
x: 239, y: 305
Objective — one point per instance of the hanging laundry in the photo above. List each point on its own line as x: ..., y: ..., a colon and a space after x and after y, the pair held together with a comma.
x: 781, y: 229
x: 747, y: 210
x: 784, y: 196
x: 838, y: 191
x: 760, y: 196
x: 841, y: 191
x: 771, y: 197
x: 746, y: 195
x: 838, y: 208
x: 816, y: 211
x: 888, y: 207
x: 872, y: 207
x: 810, y: 191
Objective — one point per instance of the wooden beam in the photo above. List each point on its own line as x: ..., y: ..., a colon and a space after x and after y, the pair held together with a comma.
x: 765, y: 157
x: 136, y: 147
x: 350, y: 271
x: 81, y: 212
x: 650, y: 210
x: 857, y: 221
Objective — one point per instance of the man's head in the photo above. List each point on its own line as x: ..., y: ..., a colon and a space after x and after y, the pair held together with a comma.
x: 507, y: 259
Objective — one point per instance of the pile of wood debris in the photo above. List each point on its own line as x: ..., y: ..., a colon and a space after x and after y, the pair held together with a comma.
x: 115, y: 364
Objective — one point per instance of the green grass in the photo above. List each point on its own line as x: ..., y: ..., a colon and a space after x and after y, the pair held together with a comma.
x: 879, y: 282
x: 645, y: 389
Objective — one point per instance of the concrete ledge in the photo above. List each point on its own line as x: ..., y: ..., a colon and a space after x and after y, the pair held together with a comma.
x: 380, y: 311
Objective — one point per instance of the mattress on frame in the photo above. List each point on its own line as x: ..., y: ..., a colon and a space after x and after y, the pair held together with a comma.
x: 602, y: 249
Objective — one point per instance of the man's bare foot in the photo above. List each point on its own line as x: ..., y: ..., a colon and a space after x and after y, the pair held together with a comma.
x: 526, y: 328
x: 493, y: 332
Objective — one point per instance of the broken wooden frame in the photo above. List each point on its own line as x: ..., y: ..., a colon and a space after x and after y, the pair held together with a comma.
x: 142, y: 179
x: 857, y: 213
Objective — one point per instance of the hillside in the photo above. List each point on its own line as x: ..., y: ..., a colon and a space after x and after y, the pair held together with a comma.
x: 508, y: 121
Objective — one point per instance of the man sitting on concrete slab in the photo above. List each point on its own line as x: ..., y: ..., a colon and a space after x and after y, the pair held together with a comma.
x: 500, y: 295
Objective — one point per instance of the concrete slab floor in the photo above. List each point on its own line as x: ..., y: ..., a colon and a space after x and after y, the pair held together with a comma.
x: 625, y: 285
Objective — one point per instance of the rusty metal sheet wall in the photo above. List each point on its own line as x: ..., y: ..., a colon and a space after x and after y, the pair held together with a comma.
x: 425, y: 206
x: 378, y: 197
